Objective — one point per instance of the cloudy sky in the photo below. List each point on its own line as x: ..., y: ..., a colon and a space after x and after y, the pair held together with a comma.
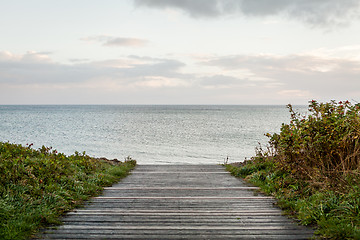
x: 179, y: 51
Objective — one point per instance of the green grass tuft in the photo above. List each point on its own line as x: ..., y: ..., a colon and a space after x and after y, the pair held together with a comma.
x: 38, y: 186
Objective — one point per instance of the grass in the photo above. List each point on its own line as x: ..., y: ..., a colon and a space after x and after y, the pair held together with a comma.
x: 38, y: 186
x: 313, y: 168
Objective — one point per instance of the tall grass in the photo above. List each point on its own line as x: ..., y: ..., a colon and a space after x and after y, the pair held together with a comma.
x: 313, y: 167
x: 38, y: 186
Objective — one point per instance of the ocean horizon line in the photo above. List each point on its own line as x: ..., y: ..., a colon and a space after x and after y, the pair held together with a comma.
x: 91, y: 104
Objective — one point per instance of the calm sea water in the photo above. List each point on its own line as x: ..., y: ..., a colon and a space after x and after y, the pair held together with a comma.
x: 151, y: 134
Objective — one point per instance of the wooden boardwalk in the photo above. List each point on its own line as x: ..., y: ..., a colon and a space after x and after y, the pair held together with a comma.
x: 179, y: 202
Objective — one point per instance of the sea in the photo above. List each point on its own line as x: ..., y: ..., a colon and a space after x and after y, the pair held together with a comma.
x: 150, y: 134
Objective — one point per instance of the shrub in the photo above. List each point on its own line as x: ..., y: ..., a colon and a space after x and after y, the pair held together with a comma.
x: 313, y: 168
x: 324, y: 147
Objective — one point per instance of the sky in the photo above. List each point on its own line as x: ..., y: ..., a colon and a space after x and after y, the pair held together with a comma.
x: 179, y: 51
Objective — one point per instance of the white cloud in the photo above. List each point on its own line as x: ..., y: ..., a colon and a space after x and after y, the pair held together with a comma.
x: 221, y: 81
x: 313, y: 12
x: 159, y: 82
x: 30, y: 57
x: 294, y: 93
x: 351, y: 52
x: 110, y: 41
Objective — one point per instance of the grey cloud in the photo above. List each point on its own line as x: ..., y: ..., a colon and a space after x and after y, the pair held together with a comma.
x: 44, y: 73
x: 198, y: 8
x: 24, y: 70
x: 303, y: 72
x: 148, y: 59
x: 313, y: 12
x: 221, y: 81
x: 166, y: 68
x: 109, y: 41
x: 76, y: 60
x: 133, y: 42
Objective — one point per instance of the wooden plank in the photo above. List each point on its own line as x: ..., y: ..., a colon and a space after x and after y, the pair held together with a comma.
x: 209, y: 197
x: 180, y: 188
x: 176, y: 231
x: 180, y: 220
x: 161, y: 228
x: 178, y: 236
x: 175, y: 222
x: 141, y: 220
x: 95, y: 211
x: 187, y: 173
x: 186, y: 214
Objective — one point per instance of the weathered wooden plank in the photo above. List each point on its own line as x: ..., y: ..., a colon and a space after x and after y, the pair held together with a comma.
x: 121, y: 211
x: 173, y: 231
x: 179, y: 188
x: 183, y: 217
x: 170, y: 221
x: 205, y: 201
x: 186, y: 228
x: 148, y: 231
x: 179, y: 193
x: 189, y: 214
x: 231, y: 222
x: 209, y: 197
x: 184, y: 173
x: 226, y: 221
x: 178, y: 236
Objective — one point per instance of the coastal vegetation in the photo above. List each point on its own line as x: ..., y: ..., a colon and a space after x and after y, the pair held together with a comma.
x: 38, y: 186
x: 313, y: 168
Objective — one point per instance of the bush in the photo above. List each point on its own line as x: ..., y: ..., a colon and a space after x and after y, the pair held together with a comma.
x: 324, y: 147
x: 313, y: 168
